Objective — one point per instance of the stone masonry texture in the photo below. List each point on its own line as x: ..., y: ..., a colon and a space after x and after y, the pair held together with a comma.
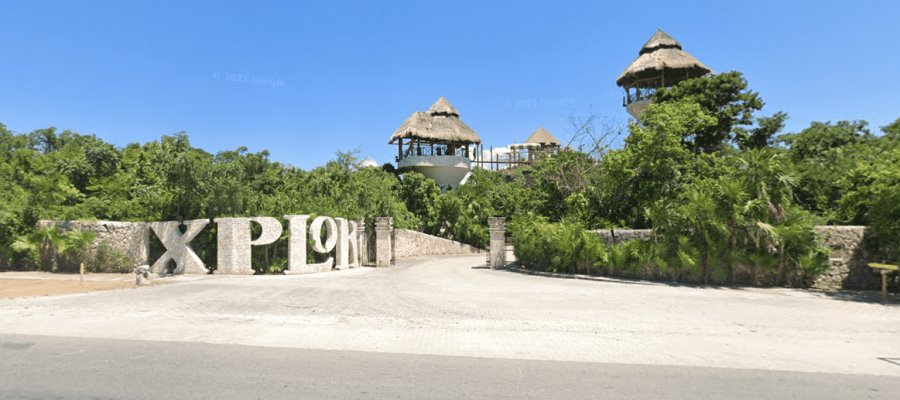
x: 848, y: 265
x: 384, y: 227
x: 234, y: 242
x: 178, y: 247
x: 497, y: 232
x: 616, y: 236
x: 409, y: 243
x: 132, y: 239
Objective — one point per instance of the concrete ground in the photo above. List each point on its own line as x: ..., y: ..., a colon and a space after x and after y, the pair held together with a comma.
x: 443, y: 310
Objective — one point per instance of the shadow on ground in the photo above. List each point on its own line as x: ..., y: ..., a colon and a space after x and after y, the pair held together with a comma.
x: 860, y: 296
x: 863, y: 296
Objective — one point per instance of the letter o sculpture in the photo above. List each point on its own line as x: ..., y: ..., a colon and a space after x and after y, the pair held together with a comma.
x: 315, y: 234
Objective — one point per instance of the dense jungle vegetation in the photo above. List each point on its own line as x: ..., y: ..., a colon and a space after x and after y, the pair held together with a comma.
x: 727, y: 193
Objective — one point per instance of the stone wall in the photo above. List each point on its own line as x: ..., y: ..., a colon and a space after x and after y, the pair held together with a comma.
x: 616, y: 236
x: 132, y: 239
x: 847, y: 267
x: 409, y: 243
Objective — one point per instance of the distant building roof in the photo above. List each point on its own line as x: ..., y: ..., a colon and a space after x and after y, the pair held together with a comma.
x: 541, y: 136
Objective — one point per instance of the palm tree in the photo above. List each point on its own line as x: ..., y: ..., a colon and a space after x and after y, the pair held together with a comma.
x: 76, y: 242
x: 48, y: 241
x: 35, y: 245
x: 25, y: 246
x: 699, y: 211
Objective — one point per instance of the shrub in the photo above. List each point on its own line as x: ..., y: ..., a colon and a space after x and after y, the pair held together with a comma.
x: 718, y: 222
x: 108, y: 259
x: 557, y: 247
x: 50, y: 249
x: 707, y: 249
x: 872, y: 197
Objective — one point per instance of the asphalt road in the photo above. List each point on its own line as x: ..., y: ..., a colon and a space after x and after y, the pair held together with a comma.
x: 36, y: 367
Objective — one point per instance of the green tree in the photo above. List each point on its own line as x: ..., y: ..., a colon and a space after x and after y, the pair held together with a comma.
x: 823, y: 154
x: 421, y: 196
x: 726, y: 98
x: 654, y: 163
x: 763, y: 134
x: 743, y: 215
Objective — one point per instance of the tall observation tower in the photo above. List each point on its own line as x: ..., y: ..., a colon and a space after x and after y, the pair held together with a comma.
x: 661, y: 63
x: 436, y: 143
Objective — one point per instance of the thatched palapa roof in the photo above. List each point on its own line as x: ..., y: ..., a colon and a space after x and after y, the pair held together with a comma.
x: 442, y: 106
x: 541, y: 136
x: 661, y: 53
x: 440, y: 123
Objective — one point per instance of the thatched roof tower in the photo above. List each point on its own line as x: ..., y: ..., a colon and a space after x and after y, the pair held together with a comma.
x: 440, y: 123
x: 442, y: 106
x: 660, y: 63
x: 436, y: 143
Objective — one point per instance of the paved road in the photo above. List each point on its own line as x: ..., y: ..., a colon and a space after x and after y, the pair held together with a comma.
x: 448, y: 310
x: 50, y: 368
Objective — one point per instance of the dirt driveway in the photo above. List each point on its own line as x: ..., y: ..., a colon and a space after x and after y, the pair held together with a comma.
x: 39, y: 284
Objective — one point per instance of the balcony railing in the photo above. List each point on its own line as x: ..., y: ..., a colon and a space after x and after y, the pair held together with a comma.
x: 434, y: 150
x: 638, y: 94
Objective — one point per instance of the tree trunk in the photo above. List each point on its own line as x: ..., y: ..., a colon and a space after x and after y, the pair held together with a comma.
x: 779, y: 280
x: 704, y: 268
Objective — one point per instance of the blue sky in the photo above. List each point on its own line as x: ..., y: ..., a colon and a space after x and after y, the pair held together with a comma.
x: 306, y: 79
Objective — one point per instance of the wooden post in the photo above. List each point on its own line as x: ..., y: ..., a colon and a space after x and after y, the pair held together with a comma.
x: 492, y: 158
x: 81, y: 272
x: 885, y: 270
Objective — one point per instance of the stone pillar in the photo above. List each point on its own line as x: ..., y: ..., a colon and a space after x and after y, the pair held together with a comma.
x: 362, y: 246
x: 848, y: 264
x: 497, y: 229
x: 384, y: 227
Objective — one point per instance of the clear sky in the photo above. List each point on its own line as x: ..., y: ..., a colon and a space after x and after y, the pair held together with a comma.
x: 304, y: 79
